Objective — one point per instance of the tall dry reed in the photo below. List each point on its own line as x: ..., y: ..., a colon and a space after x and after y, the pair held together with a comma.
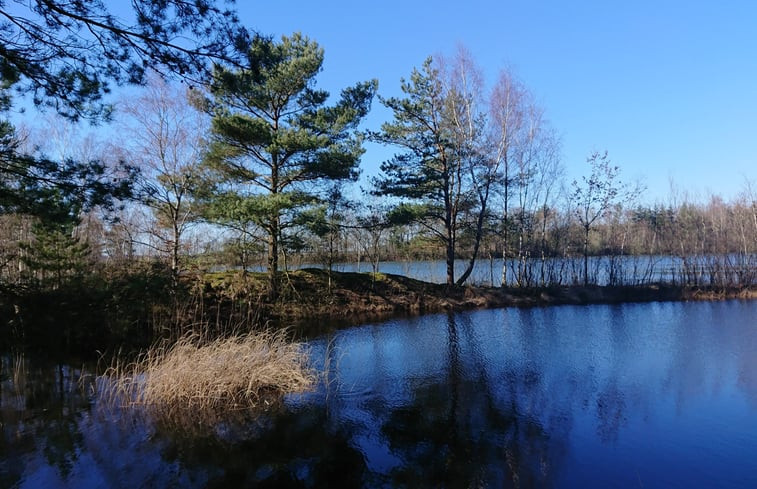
x: 204, y: 380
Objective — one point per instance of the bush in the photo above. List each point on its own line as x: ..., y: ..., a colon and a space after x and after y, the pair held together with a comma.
x: 199, y: 381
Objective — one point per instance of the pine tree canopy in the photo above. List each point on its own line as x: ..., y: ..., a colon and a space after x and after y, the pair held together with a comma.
x: 66, y: 53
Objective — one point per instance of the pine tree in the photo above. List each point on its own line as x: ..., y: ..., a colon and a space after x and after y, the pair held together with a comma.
x: 433, y: 173
x: 55, y: 256
x: 275, y: 142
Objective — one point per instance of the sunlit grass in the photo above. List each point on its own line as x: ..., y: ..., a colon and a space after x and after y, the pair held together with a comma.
x: 204, y: 380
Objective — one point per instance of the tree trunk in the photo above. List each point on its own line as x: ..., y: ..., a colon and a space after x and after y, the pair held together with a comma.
x: 505, y: 231
x: 543, y: 280
x: 175, y: 257
x: 449, y: 225
x: 450, y: 261
x: 275, y: 229
x: 331, y: 258
x: 273, y: 259
x: 586, y: 255
x: 476, y: 245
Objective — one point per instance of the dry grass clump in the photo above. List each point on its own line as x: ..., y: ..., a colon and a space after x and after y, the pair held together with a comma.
x: 207, y: 379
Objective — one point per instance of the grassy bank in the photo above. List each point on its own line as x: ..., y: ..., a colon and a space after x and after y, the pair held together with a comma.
x: 315, y: 296
x: 131, y: 309
x: 197, y: 372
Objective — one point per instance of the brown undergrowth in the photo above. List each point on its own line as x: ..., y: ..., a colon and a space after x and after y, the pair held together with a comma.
x: 315, y: 297
x: 200, y: 381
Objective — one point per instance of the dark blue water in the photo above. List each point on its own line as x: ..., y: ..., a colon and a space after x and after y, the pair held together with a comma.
x: 637, y: 395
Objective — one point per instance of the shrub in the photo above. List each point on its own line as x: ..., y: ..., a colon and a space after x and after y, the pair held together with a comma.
x: 202, y: 380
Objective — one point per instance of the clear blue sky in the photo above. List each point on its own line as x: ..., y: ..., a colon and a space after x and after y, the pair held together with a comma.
x: 667, y: 87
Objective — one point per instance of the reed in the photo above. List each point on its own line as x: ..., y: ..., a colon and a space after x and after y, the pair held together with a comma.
x: 205, y: 380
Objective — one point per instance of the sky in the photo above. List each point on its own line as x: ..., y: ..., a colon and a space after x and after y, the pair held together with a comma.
x: 668, y: 88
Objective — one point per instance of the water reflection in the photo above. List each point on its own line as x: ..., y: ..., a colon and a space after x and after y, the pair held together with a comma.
x: 626, y: 396
x: 530, y: 398
x: 41, y: 406
x: 455, y: 433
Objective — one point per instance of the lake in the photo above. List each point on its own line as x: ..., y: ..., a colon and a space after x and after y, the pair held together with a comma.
x: 603, y: 270
x: 633, y: 395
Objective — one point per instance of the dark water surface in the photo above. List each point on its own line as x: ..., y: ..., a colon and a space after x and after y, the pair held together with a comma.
x: 636, y: 395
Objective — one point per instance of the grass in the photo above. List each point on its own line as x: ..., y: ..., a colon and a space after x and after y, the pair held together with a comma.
x: 199, y: 380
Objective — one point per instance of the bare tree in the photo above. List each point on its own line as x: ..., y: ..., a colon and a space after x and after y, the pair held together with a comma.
x: 595, y: 195
x: 165, y: 140
x: 506, y: 108
x: 536, y: 165
x: 527, y: 153
x: 749, y: 198
x: 372, y: 226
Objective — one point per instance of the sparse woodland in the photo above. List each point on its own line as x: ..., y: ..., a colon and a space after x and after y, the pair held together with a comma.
x: 245, y: 165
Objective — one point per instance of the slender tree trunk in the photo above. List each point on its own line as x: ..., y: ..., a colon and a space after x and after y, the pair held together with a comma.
x: 331, y: 258
x: 450, y: 260
x: 273, y: 236
x: 273, y: 259
x: 543, y: 246
x: 586, y: 255
x: 491, y: 267
x: 175, y: 256
x: 450, y: 244
x: 476, y: 243
x: 449, y: 225
x: 505, y: 234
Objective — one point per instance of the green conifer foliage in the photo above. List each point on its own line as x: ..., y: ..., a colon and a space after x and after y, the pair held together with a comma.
x: 54, y: 257
x: 276, y: 142
x: 426, y: 173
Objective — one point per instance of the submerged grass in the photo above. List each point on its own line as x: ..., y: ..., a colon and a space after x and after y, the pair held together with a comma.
x: 197, y: 380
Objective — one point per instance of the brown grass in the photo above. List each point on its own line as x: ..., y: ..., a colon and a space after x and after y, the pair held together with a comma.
x: 199, y: 380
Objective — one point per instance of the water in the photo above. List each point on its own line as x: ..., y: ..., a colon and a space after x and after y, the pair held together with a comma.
x: 635, y: 395
x: 603, y: 270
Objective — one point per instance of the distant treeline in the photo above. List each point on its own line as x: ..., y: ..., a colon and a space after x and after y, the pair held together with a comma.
x: 713, y: 243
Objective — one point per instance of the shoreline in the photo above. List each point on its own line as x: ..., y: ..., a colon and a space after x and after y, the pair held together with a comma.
x: 308, y: 300
x: 86, y: 320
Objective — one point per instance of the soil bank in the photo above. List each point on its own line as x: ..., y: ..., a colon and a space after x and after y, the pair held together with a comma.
x: 312, y: 296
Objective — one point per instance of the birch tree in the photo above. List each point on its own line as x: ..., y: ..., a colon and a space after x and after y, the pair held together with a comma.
x: 506, y: 108
x: 165, y: 137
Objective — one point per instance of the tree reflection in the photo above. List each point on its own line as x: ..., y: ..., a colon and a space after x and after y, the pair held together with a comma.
x: 439, y: 401
x: 40, y: 408
x: 300, y: 448
x: 455, y: 433
x: 610, y: 413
